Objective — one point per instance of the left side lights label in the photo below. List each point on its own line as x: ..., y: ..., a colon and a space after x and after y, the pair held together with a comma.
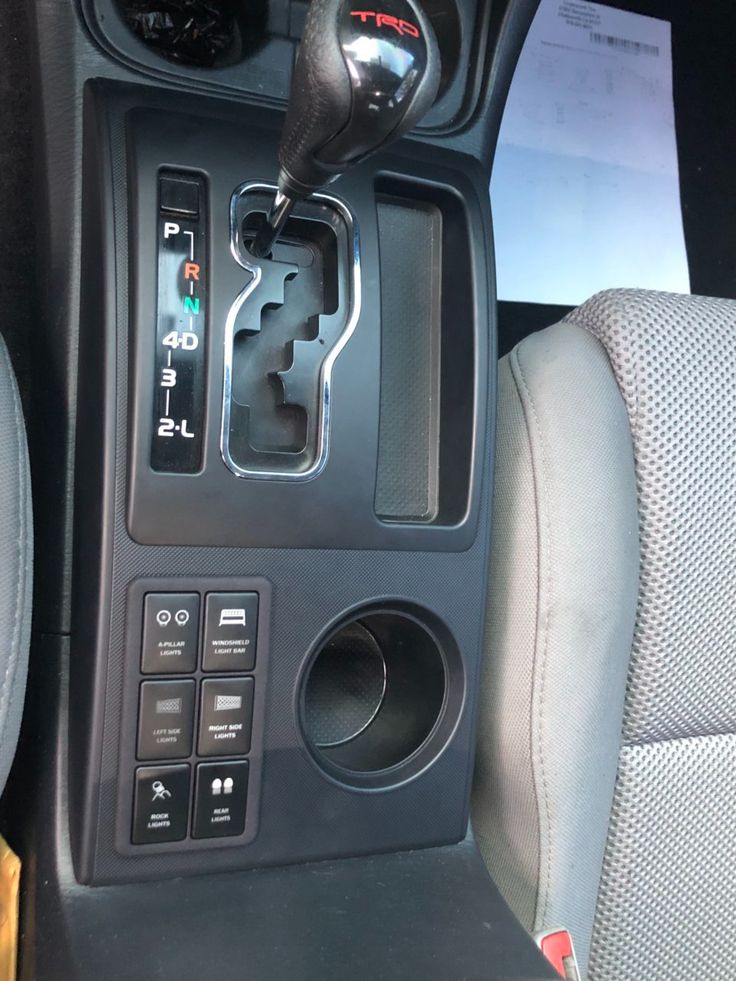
x: 180, y: 334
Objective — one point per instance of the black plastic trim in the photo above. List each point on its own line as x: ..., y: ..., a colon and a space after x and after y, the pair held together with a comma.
x: 304, y: 815
x: 264, y: 77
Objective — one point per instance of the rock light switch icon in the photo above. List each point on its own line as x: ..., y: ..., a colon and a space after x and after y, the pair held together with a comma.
x: 160, y: 792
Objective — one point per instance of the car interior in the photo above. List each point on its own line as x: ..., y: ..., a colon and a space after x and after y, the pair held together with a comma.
x: 367, y: 498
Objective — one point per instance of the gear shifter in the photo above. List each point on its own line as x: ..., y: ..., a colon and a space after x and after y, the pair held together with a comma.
x: 364, y: 76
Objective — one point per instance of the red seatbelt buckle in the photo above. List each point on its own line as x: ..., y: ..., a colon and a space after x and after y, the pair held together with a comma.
x: 557, y: 948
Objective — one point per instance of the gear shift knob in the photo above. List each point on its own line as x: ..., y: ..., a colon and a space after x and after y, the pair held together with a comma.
x: 365, y: 74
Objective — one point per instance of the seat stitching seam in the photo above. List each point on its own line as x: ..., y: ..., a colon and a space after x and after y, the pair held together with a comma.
x: 534, y: 787
x: 634, y: 416
x: 11, y: 669
x: 545, y: 627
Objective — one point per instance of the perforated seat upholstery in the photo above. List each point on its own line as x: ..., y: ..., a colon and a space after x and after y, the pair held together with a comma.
x: 605, y: 787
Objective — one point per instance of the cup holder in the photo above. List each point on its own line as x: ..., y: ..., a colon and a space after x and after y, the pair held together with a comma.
x: 346, y: 687
x: 381, y: 696
x: 198, y: 33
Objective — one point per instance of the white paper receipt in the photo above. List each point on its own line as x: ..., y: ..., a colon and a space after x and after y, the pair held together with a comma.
x: 585, y: 188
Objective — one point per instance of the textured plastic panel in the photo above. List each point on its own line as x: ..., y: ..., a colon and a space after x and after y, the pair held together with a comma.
x: 410, y: 244
x: 338, y: 504
x: 432, y: 914
x: 304, y: 814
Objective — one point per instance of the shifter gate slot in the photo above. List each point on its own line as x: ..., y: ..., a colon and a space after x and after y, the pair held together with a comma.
x: 284, y: 331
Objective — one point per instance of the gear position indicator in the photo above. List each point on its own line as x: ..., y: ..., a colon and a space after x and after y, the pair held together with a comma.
x: 179, y: 375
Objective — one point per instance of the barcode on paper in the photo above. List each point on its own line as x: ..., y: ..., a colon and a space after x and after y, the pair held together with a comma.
x: 623, y: 44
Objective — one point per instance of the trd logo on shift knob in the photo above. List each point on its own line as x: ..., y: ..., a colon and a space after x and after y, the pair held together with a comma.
x: 403, y: 27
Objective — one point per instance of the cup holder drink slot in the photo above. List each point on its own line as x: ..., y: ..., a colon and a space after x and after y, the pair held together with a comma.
x: 381, y: 696
x: 249, y: 46
x: 428, y: 350
x: 198, y: 33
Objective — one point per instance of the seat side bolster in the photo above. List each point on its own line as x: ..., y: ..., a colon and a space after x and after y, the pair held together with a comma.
x: 504, y: 806
x: 16, y: 548
x: 586, y: 528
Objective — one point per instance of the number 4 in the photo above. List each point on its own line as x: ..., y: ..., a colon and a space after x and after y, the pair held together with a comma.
x: 187, y: 340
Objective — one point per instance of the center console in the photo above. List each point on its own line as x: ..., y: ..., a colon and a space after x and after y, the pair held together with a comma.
x: 292, y: 454
x: 280, y: 491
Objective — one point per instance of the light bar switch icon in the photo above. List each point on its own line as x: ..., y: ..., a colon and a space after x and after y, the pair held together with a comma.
x: 232, y: 618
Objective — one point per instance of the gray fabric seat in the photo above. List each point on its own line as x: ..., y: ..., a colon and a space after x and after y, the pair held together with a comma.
x: 605, y: 786
x: 16, y: 567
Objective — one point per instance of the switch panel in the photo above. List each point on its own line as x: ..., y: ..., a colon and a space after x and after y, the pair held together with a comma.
x: 179, y: 375
x: 193, y: 717
x: 170, y: 633
x: 161, y: 804
x: 225, y: 717
x: 220, y: 799
x: 165, y: 720
x: 230, y: 627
